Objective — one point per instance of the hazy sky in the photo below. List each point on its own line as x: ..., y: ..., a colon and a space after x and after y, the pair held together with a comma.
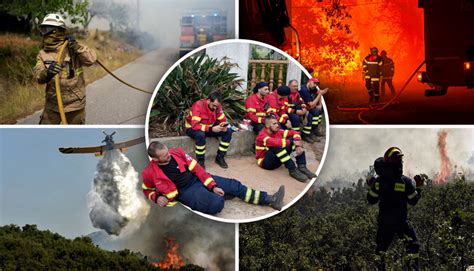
x: 39, y: 185
x: 353, y: 150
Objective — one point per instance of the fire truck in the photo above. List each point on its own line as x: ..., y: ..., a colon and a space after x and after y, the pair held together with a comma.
x: 449, y: 45
x: 199, y: 27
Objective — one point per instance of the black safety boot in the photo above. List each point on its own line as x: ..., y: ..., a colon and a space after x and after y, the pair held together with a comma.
x: 221, y: 161
x: 298, y: 175
x: 303, y: 169
x: 276, y: 200
x: 202, y: 163
x: 307, y: 138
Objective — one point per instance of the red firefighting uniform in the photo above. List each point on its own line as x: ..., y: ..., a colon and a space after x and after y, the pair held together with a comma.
x: 256, y: 108
x: 278, y: 107
x: 279, y: 139
x: 202, y: 118
x: 156, y: 183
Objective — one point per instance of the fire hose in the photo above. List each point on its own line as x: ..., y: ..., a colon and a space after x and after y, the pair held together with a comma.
x: 57, y: 81
x: 380, y: 106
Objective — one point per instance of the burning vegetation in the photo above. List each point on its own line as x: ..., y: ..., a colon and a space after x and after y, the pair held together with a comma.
x: 172, y: 259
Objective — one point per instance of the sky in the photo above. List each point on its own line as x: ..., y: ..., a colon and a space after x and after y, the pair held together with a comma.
x: 39, y: 185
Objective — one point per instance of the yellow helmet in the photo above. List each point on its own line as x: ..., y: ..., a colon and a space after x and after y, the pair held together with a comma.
x: 392, y: 154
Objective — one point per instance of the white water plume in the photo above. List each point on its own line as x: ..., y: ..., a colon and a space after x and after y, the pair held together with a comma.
x: 115, y: 202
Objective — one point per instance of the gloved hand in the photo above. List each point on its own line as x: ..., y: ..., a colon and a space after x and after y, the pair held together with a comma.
x: 53, y: 69
x: 420, y: 180
x: 370, y: 181
x: 73, y: 45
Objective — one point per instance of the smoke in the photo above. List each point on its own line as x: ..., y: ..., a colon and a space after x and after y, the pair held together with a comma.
x: 445, y: 169
x: 353, y: 150
x: 114, y: 202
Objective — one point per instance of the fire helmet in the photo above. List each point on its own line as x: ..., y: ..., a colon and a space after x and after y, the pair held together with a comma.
x: 54, y: 20
x: 392, y: 154
x: 374, y: 50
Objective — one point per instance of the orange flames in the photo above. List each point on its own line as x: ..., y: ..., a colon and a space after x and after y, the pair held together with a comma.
x: 172, y: 258
x: 445, y: 169
x: 336, y: 35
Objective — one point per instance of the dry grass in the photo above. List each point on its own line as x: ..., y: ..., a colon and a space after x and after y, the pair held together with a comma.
x: 20, y: 95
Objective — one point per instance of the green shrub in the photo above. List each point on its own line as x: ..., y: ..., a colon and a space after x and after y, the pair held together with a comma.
x: 194, y: 79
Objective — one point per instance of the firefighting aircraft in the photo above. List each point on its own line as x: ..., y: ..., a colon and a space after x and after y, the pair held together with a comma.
x: 109, y: 145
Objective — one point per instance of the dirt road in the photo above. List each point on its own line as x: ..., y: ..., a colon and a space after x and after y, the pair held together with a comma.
x: 111, y: 102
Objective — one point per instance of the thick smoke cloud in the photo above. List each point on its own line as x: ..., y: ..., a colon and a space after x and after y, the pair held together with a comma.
x: 353, y: 150
x: 114, y: 201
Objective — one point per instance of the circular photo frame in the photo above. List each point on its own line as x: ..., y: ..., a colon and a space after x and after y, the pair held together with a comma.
x: 237, y: 131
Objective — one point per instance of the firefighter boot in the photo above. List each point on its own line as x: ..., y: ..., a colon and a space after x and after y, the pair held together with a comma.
x: 276, y: 200
x: 307, y: 138
x: 221, y: 161
x: 303, y: 169
x: 371, y: 96
x: 202, y: 163
x: 297, y: 174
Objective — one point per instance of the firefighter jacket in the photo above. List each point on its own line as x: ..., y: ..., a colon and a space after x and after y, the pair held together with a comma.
x: 388, y: 68
x: 255, y: 106
x: 295, y: 101
x: 73, y: 87
x: 280, y: 139
x: 393, y: 193
x: 372, y: 67
x: 156, y: 183
x: 278, y: 107
x: 201, y: 118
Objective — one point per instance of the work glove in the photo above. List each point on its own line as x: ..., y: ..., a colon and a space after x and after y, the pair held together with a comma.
x: 73, y: 45
x: 53, y: 69
x: 420, y: 180
x: 370, y: 181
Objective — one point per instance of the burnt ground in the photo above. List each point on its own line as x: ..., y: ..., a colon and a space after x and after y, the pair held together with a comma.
x: 456, y: 107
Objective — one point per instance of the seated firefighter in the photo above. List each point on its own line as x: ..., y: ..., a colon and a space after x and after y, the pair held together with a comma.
x: 297, y: 104
x: 172, y: 176
x: 255, y: 106
x: 393, y: 191
x: 312, y: 96
x: 206, y: 119
x: 278, y: 106
x: 69, y: 68
x: 274, y: 146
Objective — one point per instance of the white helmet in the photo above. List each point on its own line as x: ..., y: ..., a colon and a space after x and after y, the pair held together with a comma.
x: 54, y: 20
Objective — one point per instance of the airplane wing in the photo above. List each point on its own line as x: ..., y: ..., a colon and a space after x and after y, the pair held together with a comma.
x: 129, y: 143
x: 82, y: 149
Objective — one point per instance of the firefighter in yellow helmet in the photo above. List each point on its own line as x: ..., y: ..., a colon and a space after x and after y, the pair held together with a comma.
x: 70, y: 70
x: 393, y: 191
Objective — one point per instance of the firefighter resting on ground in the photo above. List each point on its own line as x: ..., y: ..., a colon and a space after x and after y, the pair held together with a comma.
x: 255, y: 106
x: 173, y: 176
x: 393, y: 191
x: 388, y: 71
x: 70, y: 70
x: 206, y: 119
x: 297, y: 104
x: 372, y: 72
x: 278, y: 106
x: 274, y: 147
x: 312, y: 96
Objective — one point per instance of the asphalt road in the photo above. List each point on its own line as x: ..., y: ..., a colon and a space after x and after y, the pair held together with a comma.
x: 111, y: 102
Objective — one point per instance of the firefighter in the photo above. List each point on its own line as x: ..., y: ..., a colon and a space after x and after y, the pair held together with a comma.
x: 173, y: 176
x: 312, y: 96
x: 278, y: 106
x: 255, y: 106
x: 296, y: 103
x: 372, y: 72
x: 274, y: 146
x: 388, y: 70
x: 206, y: 119
x: 70, y: 70
x: 392, y: 190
